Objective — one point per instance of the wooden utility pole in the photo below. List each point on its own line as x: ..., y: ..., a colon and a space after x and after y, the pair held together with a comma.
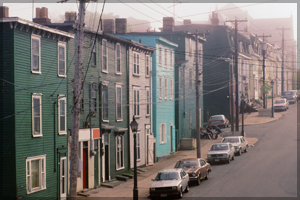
x: 197, y: 99
x: 236, y: 71
x: 264, y: 49
x: 76, y: 100
x: 282, y: 64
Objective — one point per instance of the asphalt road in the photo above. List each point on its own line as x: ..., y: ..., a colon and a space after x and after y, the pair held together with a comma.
x: 269, y: 169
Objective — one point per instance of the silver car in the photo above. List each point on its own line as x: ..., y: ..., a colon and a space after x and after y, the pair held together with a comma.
x: 238, y: 142
x: 220, y: 152
x: 169, y: 182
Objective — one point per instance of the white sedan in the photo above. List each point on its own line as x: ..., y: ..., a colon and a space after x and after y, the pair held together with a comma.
x: 238, y: 142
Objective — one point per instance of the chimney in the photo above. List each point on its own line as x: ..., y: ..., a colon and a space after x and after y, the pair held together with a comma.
x: 121, y: 25
x: 187, y: 22
x: 168, y: 24
x: 214, y: 19
x: 70, y: 17
x: 41, y: 15
x: 4, y: 12
x: 109, y: 26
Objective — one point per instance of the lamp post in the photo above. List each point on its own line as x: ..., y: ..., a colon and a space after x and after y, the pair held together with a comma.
x: 242, y: 104
x: 272, y: 83
x: 263, y: 46
x: 134, y: 127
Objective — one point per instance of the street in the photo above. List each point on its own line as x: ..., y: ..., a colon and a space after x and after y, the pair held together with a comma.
x: 269, y: 169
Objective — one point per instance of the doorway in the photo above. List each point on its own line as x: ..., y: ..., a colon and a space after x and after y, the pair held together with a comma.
x: 105, y: 158
x: 96, y: 166
x: 63, y: 178
x: 85, y: 164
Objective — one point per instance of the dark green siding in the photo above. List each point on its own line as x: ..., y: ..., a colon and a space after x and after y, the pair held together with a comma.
x: 8, y: 164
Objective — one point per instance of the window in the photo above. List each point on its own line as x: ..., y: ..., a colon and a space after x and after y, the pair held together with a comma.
x: 171, y: 89
x: 191, y: 78
x: 160, y: 87
x: 93, y: 97
x: 136, y: 102
x: 195, y: 56
x: 104, y: 56
x: 82, y: 102
x: 120, y: 152
x: 105, y: 102
x: 181, y: 77
x: 163, y: 137
x: 119, y: 102
x: 160, y: 56
x: 36, y: 54
x: 166, y: 88
x: 138, y: 146
x: 136, y: 63
x: 190, y: 46
x: 118, y: 58
x: 62, y: 59
x: 148, y: 101
x: 147, y: 66
x: 201, y: 56
x: 171, y: 59
x: 93, y: 56
x: 166, y: 58
x: 62, y: 118
x: 35, y: 173
x: 36, y: 115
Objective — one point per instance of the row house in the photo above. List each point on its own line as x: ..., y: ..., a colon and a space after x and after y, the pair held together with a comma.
x: 34, y: 103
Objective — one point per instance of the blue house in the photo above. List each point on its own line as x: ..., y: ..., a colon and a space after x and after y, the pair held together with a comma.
x: 163, y: 91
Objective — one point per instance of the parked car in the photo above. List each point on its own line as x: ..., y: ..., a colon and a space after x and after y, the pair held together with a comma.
x: 169, y: 182
x: 290, y: 96
x: 196, y: 168
x: 281, y: 104
x: 220, y: 152
x: 219, y: 120
x: 238, y: 142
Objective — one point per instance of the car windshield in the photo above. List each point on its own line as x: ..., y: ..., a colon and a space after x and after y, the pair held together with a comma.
x: 231, y: 140
x: 216, y: 117
x: 288, y: 93
x: 279, y: 101
x: 187, y: 163
x: 166, y: 176
x: 218, y: 147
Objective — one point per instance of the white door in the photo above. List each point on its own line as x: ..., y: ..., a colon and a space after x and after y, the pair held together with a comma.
x: 63, y: 178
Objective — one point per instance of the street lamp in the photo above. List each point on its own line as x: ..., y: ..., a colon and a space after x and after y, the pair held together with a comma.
x: 263, y: 46
x: 242, y: 104
x: 134, y: 127
x: 272, y: 83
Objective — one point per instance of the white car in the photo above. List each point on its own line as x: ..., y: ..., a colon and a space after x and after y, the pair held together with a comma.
x: 238, y: 142
x: 220, y: 152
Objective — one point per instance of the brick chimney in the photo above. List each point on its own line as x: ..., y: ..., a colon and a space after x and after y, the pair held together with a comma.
x: 121, y: 25
x: 214, y: 18
x: 41, y: 15
x: 109, y: 26
x: 70, y: 17
x: 187, y: 22
x: 4, y: 12
x: 168, y: 24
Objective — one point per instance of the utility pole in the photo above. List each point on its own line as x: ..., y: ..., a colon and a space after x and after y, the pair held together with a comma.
x: 282, y: 64
x: 236, y: 71
x: 197, y: 99
x: 76, y: 100
x: 264, y: 48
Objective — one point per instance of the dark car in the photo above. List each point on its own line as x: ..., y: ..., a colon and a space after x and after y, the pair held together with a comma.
x: 219, y: 120
x: 197, y: 168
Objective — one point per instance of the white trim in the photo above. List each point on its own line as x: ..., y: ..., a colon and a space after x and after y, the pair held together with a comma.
x: 166, y: 57
x: 148, y: 103
x: 62, y: 97
x: 171, y: 59
x: 160, y: 50
x: 36, y: 37
x: 104, y: 70
x: 138, y: 145
x: 61, y: 44
x: 136, y: 103
x: 36, y: 96
x: 63, y: 195
x: 42, y: 173
x: 147, y: 65
x: 122, y: 146
x: 163, y: 140
x: 102, y: 99
x: 171, y: 89
x: 116, y: 88
x: 116, y: 60
x: 166, y: 87
x: 137, y: 63
x: 160, y: 87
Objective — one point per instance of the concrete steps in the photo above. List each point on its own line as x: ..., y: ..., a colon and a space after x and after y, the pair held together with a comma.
x: 122, y: 178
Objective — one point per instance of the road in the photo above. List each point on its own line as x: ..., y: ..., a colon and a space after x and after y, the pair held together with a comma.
x: 269, y: 169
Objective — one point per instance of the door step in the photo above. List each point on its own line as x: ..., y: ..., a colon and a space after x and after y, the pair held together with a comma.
x: 128, y: 175
x: 122, y: 178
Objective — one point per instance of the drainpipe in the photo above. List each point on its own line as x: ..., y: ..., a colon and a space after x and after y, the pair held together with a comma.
x: 54, y: 136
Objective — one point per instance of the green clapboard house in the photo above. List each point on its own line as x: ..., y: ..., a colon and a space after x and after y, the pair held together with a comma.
x: 34, y: 139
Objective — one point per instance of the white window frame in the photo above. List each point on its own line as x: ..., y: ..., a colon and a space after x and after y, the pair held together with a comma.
x: 62, y: 44
x: 36, y: 96
x: 42, y: 174
x: 171, y: 58
x: 118, y: 58
x: 190, y: 78
x: 93, y: 54
x: 136, y: 63
x: 136, y: 101
x: 160, y: 55
x: 147, y: 66
x: 36, y: 37
x: 62, y: 97
x: 163, y: 133
x: 121, y: 146
x: 138, y: 146
x: 171, y: 89
x: 121, y: 118
x: 105, y: 120
x: 104, y: 55
x: 160, y: 87
x: 166, y: 88
x: 166, y: 58
x: 148, y: 99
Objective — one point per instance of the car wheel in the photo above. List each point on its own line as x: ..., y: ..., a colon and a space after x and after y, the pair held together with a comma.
x: 228, y: 161
x: 187, y: 189
x: 198, y: 180
x: 179, y: 195
x: 245, y: 149
x: 206, y: 177
x: 240, y: 152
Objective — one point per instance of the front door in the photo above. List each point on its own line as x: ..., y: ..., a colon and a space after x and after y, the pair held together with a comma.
x: 171, y: 138
x: 63, y: 178
x: 96, y: 168
x: 105, y: 158
x: 85, y: 164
